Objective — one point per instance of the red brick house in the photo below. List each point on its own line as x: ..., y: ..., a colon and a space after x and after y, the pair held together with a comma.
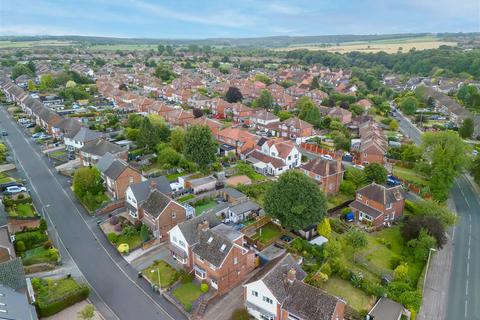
x: 327, y: 173
x: 278, y: 292
x: 294, y: 129
x: 378, y: 205
x: 220, y: 258
x: 117, y: 175
x: 160, y: 214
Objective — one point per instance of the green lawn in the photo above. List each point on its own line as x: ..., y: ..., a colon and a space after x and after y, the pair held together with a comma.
x: 354, y: 297
x: 23, y: 210
x: 410, y: 175
x: 338, y: 199
x: 187, y: 293
x: 268, y: 233
x: 50, y: 290
x: 4, y: 178
x: 204, y: 207
x: 36, y: 255
x: 174, y: 176
x: 186, y: 198
x: 133, y: 242
x: 168, y: 275
x: 57, y: 154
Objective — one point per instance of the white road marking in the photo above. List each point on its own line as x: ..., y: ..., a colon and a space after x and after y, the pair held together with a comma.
x: 464, y: 197
x: 94, y: 235
x: 466, y: 306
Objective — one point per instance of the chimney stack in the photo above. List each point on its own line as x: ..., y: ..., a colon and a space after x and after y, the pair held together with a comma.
x: 291, y: 275
x: 204, y: 226
x: 153, y: 184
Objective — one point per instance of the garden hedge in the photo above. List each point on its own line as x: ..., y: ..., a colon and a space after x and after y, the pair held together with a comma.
x: 46, y: 310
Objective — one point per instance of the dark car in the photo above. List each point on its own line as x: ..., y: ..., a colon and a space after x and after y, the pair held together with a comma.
x: 393, y: 181
x: 4, y: 132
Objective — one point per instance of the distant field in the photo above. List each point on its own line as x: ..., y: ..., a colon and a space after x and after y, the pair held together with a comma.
x: 388, y: 45
x: 126, y: 47
x: 31, y: 44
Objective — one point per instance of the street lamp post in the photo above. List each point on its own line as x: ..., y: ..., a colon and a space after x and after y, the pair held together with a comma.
x: 43, y: 210
x: 426, y: 270
x: 159, y: 283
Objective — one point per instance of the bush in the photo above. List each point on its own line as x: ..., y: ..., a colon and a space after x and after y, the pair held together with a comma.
x: 20, y: 196
x: 31, y: 238
x: 43, y: 225
x: 47, y: 244
x: 188, y: 307
x: 48, y: 309
x: 204, y: 287
x: 20, y: 246
x: 356, y: 238
x: 185, y: 277
x: 112, y: 237
x: 240, y: 314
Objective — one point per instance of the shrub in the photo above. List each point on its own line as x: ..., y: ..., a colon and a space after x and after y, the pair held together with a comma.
x: 31, y: 238
x: 112, y: 237
x: 204, y: 287
x: 144, y: 233
x: 395, y: 262
x: 185, y: 277
x: 20, y: 196
x: 356, y: 238
x: 43, y: 224
x: 47, y: 244
x: 20, y: 246
x: 188, y: 307
x: 53, y: 254
x: 48, y: 309
x: 240, y: 314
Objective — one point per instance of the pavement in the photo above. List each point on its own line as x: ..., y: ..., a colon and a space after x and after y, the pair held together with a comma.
x: 117, y: 292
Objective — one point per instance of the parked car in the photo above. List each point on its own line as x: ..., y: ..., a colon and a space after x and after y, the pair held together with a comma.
x: 4, y: 132
x: 37, y: 135
x: 326, y: 157
x: 15, y: 189
x: 393, y: 181
x: 358, y: 166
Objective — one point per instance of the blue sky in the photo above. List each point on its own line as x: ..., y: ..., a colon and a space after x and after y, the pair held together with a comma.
x: 240, y: 18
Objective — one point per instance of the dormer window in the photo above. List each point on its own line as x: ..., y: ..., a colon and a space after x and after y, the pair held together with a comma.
x: 222, y: 248
x: 359, y: 196
x: 210, y: 240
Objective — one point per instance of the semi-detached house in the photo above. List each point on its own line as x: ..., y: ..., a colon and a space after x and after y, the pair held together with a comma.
x: 277, y: 292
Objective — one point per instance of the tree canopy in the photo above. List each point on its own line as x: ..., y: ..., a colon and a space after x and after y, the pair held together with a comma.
x: 265, y: 100
x: 296, y: 201
x: 375, y: 172
x: 200, y: 146
x: 445, y: 152
x: 466, y: 129
x: 233, y: 95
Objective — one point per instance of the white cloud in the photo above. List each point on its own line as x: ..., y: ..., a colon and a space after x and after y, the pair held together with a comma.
x: 283, y: 8
x: 225, y: 18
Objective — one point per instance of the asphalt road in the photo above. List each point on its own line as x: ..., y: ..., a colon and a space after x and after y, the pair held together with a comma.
x: 111, y: 278
x: 464, y: 289
x: 408, y: 129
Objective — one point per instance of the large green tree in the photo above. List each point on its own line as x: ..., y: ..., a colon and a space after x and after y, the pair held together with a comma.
x: 87, y: 180
x: 445, y: 152
x: 265, y: 100
x: 409, y: 105
x: 466, y: 129
x: 152, y: 132
x: 177, y: 139
x: 296, y: 201
x: 375, y: 172
x: 200, y: 146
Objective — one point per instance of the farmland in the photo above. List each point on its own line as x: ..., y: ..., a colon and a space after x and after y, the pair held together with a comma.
x: 32, y: 44
x: 388, y: 45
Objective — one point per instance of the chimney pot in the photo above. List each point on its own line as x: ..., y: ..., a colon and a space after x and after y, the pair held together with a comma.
x: 291, y: 275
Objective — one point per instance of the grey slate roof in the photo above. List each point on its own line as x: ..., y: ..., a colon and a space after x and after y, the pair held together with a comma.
x: 190, y: 230
x: 116, y: 168
x: 16, y: 305
x: 141, y: 190
x: 307, y: 302
x: 69, y: 126
x: 386, y: 309
x: 274, y: 275
x: 209, y: 247
x: 100, y: 147
x: 85, y: 135
x: 105, y: 162
x: 156, y: 202
x: 381, y: 193
x: 234, y: 193
x: 12, y: 274
x: 243, y: 207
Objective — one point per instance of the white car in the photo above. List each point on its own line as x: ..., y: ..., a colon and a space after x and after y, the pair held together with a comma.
x: 326, y: 157
x: 358, y: 166
x: 15, y: 189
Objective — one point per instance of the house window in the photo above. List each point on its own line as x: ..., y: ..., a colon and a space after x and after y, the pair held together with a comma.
x: 235, y: 260
x: 255, y: 293
x: 366, y: 202
x: 212, y: 266
x: 359, y: 196
x: 174, y: 215
x: 180, y: 242
x: 267, y: 300
x: 200, y: 258
x: 130, y: 179
x: 389, y: 206
x: 174, y: 239
x: 264, y: 317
